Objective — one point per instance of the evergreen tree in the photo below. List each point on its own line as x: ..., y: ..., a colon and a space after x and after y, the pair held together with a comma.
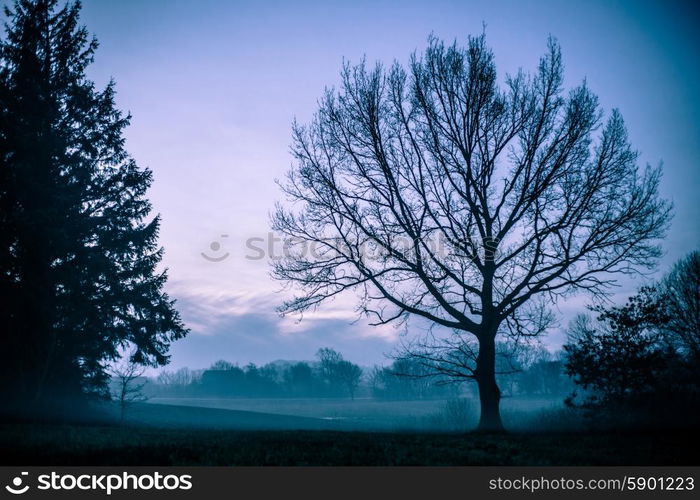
x: 78, y: 251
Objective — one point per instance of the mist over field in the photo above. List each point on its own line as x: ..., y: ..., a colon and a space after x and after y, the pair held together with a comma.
x: 436, y: 415
x: 404, y: 406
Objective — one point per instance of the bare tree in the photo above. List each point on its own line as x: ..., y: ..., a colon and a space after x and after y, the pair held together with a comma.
x: 338, y: 372
x: 328, y: 359
x: 431, y: 191
x: 127, y: 384
x: 180, y: 378
x: 680, y: 291
x: 350, y: 375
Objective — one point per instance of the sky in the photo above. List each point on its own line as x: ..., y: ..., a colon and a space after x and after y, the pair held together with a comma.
x: 213, y: 87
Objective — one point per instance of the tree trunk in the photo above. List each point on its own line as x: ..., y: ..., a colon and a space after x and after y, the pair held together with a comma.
x: 489, y: 393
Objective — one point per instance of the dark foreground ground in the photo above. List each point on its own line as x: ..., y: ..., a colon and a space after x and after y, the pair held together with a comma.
x: 100, y: 444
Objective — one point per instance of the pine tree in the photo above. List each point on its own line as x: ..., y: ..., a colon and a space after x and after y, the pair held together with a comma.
x: 78, y: 249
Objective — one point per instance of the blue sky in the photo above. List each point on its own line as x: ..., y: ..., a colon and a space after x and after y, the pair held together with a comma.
x: 213, y: 87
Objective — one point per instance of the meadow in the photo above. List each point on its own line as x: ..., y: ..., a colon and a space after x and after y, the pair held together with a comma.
x: 442, y: 415
x: 333, y: 432
x: 64, y: 444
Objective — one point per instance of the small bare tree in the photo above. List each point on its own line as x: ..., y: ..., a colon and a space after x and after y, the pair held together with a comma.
x: 127, y: 384
x: 432, y: 192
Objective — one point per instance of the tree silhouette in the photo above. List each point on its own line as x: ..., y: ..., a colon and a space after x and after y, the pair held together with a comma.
x: 337, y: 372
x: 127, y: 384
x: 681, y: 296
x: 79, y: 253
x: 430, y: 191
x: 350, y: 375
x: 619, y: 356
x: 645, y: 351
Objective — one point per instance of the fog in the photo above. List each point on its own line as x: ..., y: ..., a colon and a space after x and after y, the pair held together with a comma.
x: 362, y: 414
x: 333, y: 394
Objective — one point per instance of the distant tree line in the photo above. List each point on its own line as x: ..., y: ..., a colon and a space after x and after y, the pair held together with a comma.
x: 329, y: 376
x: 538, y: 373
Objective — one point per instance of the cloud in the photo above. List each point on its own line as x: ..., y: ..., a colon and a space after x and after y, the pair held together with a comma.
x: 243, y: 326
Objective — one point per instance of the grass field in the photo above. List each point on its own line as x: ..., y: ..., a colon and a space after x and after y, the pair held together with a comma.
x: 53, y: 444
x: 372, y: 414
x: 160, y: 434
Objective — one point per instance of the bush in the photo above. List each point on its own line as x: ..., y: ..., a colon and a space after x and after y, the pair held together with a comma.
x: 457, y: 415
